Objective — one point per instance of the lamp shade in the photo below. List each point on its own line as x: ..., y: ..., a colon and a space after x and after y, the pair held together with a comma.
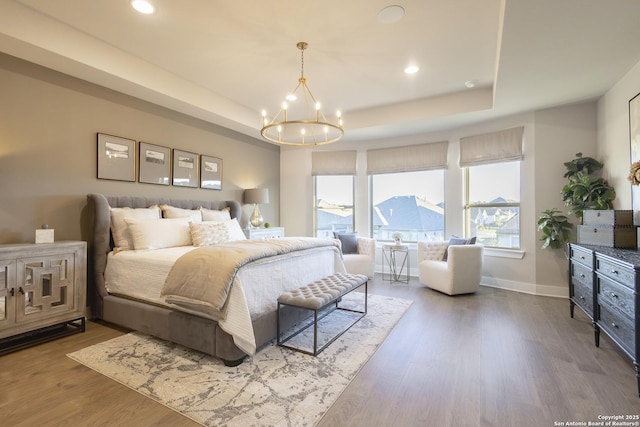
x: 256, y: 196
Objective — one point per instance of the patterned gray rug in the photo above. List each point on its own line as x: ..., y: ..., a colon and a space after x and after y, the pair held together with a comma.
x: 276, y: 387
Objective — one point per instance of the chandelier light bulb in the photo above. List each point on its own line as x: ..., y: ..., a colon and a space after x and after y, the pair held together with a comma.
x: 291, y: 97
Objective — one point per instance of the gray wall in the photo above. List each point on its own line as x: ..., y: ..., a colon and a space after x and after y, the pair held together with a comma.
x: 48, y: 127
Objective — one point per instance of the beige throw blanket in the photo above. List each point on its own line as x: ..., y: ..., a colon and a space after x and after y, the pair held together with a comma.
x: 201, y: 279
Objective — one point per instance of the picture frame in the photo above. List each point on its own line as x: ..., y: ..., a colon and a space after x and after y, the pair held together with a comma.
x: 634, y: 141
x: 210, y: 172
x: 185, y: 169
x: 154, y: 164
x: 116, y: 158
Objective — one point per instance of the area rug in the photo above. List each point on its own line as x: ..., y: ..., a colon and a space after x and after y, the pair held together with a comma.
x: 276, y: 387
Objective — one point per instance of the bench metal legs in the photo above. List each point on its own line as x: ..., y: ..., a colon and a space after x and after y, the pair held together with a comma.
x: 318, y: 315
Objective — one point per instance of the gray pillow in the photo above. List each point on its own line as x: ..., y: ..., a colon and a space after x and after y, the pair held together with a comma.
x: 349, y: 242
x: 455, y: 240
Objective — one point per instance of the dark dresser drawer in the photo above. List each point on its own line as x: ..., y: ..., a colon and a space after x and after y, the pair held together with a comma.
x: 581, y: 274
x: 583, y: 296
x: 581, y: 255
x: 615, y: 271
x: 616, y: 297
x: 618, y: 327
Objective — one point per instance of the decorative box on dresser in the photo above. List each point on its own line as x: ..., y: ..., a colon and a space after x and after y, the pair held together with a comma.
x: 264, y: 233
x: 42, y: 292
x: 614, y: 302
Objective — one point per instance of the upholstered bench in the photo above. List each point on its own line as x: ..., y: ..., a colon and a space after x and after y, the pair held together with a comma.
x: 317, y: 297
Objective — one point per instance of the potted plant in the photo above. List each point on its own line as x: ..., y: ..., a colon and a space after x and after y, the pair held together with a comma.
x: 555, y: 228
x: 586, y: 189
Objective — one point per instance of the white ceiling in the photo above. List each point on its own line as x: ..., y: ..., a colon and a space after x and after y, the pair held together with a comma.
x: 224, y: 61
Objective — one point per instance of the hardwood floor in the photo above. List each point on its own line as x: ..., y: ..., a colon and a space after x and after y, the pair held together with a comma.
x: 496, y: 358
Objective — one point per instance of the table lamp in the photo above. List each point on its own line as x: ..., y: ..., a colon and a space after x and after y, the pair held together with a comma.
x: 256, y: 196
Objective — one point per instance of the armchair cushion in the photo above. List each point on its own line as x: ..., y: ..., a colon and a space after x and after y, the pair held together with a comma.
x: 455, y: 240
x: 348, y: 241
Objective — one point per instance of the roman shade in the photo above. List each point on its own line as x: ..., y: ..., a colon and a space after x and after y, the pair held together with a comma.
x: 409, y: 158
x: 494, y: 147
x: 333, y: 163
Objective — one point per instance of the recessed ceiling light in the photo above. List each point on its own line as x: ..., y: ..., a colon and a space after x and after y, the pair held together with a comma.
x: 471, y: 83
x: 143, y: 6
x: 391, y: 14
x: 411, y: 69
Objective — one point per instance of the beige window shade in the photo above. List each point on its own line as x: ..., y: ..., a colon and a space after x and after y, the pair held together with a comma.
x: 333, y: 163
x: 407, y: 159
x: 495, y: 147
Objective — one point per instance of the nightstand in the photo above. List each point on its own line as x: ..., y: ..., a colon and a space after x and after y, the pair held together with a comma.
x: 264, y: 233
x: 42, y: 292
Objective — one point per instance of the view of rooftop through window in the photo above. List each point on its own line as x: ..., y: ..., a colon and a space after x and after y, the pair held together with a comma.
x: 493, y: 213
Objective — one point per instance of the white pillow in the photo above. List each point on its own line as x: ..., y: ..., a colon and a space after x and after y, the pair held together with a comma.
x: 213, y: 215
x: 159, y: 233
x: 234, y: 229
x: 121, y: 236
x: 172, y: 212
x: 208, y: 233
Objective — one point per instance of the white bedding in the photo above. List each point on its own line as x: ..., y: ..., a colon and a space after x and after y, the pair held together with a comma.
x: 255, y: 290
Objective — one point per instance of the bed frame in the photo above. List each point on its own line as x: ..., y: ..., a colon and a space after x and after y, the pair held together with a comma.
x: 189, y: 330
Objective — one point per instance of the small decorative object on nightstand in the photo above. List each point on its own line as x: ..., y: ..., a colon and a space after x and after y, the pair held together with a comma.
x: 264, y: 233
x: 42, y: 292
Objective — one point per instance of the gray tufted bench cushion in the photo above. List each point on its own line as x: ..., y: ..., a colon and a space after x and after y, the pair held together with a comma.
x: 322, y: 292
x: 317, y: 296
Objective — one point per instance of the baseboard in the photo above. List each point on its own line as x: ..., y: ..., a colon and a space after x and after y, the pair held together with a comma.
x: 526, y: 288
x: 510, y: 285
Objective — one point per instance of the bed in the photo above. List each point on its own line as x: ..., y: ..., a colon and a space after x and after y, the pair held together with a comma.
x: 127, y: 286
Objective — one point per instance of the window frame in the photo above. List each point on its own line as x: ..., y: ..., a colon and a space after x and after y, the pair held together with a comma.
x: 315, y: 202
x: 371, y: 204
x: 468, y: 206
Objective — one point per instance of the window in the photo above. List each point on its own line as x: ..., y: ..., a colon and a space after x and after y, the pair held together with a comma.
x: 411, y: 203
x: 333, y: 204
x: 493, y: 204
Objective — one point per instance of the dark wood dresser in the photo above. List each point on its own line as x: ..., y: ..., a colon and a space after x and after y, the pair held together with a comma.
x: 604, y: 283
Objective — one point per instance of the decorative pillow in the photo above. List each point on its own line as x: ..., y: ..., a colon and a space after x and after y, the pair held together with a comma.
x: 213, y: 215
x: 348, y: 241
x: 159, y: 233
x: 455, y: 240
x: 208, y: 233
x: 121, y: 236
x: 195, y: 215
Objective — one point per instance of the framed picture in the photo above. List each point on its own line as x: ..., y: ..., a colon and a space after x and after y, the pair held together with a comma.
x: 116, y: 158
x: 210, y: 172
x: 634, y: 138
x: 155, y: 164
x: 185, y: 168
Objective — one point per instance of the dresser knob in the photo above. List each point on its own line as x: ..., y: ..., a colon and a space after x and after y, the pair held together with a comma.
x: 614, y: 271
x: 581, y: 297
x: 614, y: 295
x: 12, y: 292
x: 614, y: 325
x: 583, y: 276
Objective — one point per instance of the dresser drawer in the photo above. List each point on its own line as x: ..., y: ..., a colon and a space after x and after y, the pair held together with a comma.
x: 582, y: 255
x: 615, y: 271
x: 581, y: 274
x: 618, y: 327
x: 583, y: 296
x: 617, y: 297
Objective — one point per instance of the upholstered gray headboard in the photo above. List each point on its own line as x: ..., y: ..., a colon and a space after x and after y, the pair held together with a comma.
x: 102, y: 242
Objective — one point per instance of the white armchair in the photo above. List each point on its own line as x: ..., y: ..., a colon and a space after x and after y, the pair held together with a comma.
x: 364, y: 261
x: 459, y: 274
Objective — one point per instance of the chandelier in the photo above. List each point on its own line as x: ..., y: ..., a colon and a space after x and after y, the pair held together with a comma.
x: 301, y: 125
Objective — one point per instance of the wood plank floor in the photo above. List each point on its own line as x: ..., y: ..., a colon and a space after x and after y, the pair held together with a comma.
x: 496, y: 358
